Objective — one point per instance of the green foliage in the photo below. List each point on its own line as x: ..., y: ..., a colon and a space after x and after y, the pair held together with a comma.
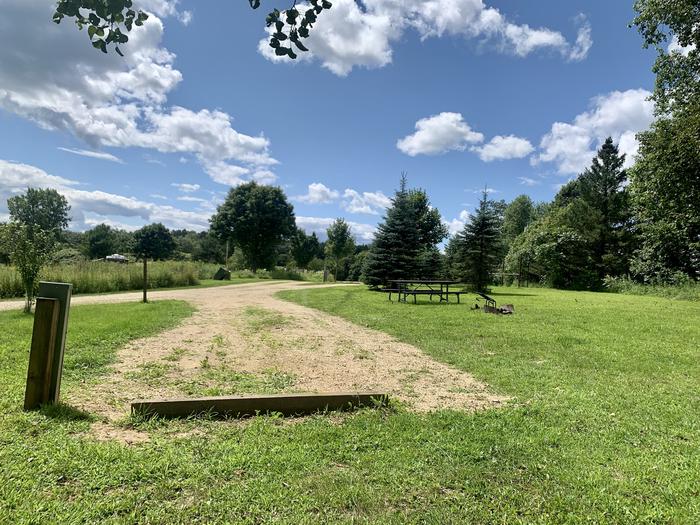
x: 517, y: 216
x: 154, y: 242
x: 666, y: 193
x: 108, y: 21
x: 586, y: 234
x: 4, y: 247
x: 256, y: 219
x: 340, y: 243
x: 67, y: 256
x: 36, y: 220
x: 43, y: 209
x: 411, y: 226
x: 291, y: 26
x: 682, y: 288
x: 480, y: 245
x: 31, y: 250
x: 677, y: 74
x: 304, y: 248
x: 603, y: 187
x: 100, y: 242
x: 557, y: 250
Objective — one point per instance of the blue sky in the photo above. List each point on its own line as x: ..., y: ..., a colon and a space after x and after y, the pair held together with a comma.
x: 459, y: 94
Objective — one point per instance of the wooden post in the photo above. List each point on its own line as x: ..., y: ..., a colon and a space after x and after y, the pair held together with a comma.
x: 41, y: 355
x: 145, y: 279
x: 62, y: 292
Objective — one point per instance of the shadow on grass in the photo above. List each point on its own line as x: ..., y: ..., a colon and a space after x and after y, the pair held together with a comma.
x: 65, y: 412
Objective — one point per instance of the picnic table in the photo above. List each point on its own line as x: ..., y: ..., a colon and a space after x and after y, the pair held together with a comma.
x: 415, y: 287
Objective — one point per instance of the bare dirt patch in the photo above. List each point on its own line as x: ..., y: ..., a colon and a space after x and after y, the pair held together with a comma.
x: 242, y: 339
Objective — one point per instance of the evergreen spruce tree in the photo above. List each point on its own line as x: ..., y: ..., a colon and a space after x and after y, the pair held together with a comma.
x: 480, y: 245
x: 602, y: 186
x: 404, y: 243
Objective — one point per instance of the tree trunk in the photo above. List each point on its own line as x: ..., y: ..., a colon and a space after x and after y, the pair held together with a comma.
x: 145, y: 279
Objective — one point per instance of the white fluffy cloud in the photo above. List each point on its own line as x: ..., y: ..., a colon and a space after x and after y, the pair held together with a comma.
x: 318, y: 193
x: 440, y: 133
x: 620, y: 115
x: 111, y: 101
x: 372, y: 203
x: 164, y: 8
x: 675, y: 46
x: 91, y: 207
x: 448, y: 131
x: 362, y: 232
x: 502, y: 148
x: 457, y: 224
x: 350, y: 35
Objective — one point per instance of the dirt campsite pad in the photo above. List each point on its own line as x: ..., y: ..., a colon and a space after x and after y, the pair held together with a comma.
x: 244, y: 340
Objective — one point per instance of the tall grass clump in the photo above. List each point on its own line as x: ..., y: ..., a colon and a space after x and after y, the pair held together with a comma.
x: 684, y: 289
x: 102, y: 277
x: 10, y: 283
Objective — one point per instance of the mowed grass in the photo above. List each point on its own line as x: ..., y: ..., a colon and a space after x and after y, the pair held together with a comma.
x: 603, y: 426
x: 605, y: 421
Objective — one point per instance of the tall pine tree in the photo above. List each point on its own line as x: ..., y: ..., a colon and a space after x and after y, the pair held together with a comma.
x: 404, y: 245
x: 480, y: 245
x: 603, y: 187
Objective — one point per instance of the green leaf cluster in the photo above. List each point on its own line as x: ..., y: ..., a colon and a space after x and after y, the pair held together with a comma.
x: 104, y: 20
x: 256, y: 219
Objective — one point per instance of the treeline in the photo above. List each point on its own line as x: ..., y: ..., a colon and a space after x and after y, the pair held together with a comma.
x: 604, y: 226
x: 254, y: 228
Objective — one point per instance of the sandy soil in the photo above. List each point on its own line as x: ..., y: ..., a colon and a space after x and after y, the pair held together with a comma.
x: 242, y: 339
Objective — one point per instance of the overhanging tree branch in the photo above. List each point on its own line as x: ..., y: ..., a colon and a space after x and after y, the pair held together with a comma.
x: 108, y: 21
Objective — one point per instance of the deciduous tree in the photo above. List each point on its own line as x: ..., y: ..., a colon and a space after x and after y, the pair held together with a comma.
x: 677, y: 69
x: 304, y: 248
x: 100, y: 242
x: 256, y: 219
x: 36, y: 220
x: 152, y: 242
x: 340, y: 243
x: 666, y: 194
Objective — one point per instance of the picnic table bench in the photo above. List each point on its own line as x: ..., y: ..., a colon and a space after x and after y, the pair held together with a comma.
x: 415, y: 287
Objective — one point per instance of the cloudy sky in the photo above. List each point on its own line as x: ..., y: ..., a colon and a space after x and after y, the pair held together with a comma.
x: 460, y: 94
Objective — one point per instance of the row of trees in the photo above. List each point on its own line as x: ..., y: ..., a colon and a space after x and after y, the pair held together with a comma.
x: 256, y: 221
x: 38, y: 219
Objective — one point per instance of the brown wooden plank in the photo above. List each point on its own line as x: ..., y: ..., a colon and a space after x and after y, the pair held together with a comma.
x: 62, y: 292
x: 41, y: 355
x: 239, y: 406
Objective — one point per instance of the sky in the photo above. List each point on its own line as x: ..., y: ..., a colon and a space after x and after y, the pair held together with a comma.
x: 460, y: 95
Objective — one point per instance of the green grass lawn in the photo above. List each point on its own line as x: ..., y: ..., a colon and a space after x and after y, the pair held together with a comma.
x: 604, y: 426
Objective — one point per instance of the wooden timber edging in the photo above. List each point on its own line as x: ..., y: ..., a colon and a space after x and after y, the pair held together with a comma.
x: 241, y: 406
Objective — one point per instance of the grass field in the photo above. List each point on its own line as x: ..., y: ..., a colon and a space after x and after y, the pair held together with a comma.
x: 99, y: 277
x: 603, y: 426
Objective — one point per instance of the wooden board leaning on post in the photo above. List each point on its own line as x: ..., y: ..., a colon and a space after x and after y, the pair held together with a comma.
x: 49, y: 338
